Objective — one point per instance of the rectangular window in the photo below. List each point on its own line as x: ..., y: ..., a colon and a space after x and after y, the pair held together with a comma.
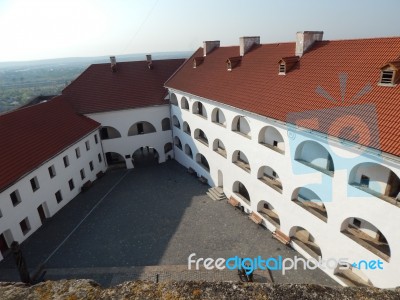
x: 52, y: 171
x: 275, y: 143
x: 200, y: 108
x: 71, y: 184
x: 95, y: 139
x: 364, y: 181
x: 25, y: 226
x: 78, y: 152
x: 82, y: 174
x: 282, y: 68
x: 356, y: 222
x: 104, y: 133
x: 140, y: 128
x: 87, y: 145
x: 1, y: 214
x: 34, y: 184
x: 100, y: 159
x: 58, y: 195
x: 387, y: 77
x: 91, y: 166
x: 15, y: 198
x: 273, y: 174
x: 66, y: 160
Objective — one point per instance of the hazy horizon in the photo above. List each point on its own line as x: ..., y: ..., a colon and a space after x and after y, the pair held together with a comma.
x: 86, y: 58
x: 49, y: 29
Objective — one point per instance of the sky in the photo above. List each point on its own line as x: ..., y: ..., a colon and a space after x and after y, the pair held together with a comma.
x: 43, y: 29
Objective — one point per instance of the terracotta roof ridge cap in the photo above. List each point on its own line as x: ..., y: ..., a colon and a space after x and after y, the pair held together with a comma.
x: 361, y: 39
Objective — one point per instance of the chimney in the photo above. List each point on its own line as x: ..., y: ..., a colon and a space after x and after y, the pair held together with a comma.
x: 209, y: 46
x: 113, y: 63
x: 149, y: 61
x: 305, y: 39
x: 246, y: 42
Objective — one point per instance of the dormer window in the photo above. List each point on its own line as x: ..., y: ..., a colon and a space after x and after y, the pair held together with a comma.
x: 282, y: 69
x: 390, y: 73
x: 286, y: 64
x: 233, y: 62
x: 197, y: 61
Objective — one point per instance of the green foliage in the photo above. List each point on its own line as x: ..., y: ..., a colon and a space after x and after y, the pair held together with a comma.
x: 20, y: 85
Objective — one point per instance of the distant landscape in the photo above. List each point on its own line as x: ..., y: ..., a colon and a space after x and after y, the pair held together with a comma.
x: 21, y: 82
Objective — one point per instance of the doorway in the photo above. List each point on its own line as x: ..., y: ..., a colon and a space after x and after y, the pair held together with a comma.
x: 41, y: 211
x: 5, y: 241
x: 220, y: 179
x: 145, y: 156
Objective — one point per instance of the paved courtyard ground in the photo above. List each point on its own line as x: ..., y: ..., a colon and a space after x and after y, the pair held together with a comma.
x: 135, y: 224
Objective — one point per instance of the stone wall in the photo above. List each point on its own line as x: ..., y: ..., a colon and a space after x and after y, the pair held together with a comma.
x: 88, y: 289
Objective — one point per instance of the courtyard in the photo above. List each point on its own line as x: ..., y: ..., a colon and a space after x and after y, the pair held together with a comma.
x: 135, y: 224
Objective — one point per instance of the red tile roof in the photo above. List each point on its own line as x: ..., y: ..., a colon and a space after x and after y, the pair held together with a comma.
x: 32, y: 135
x: 133, y: 85
x: 255, y: 85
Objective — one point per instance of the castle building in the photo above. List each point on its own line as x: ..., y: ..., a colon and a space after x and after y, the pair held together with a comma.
x: 302, y: 136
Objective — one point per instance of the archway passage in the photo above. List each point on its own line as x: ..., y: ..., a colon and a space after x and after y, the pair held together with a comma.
x: 145, y: 156
x: 115, y: 160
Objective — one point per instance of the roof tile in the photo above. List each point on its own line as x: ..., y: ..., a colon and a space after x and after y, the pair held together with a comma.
x: 255, y: 85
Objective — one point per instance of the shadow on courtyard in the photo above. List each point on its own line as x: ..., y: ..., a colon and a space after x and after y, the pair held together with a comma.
x: 156, y: 215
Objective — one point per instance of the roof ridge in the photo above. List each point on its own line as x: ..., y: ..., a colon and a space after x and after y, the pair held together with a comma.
x: 361, y: 39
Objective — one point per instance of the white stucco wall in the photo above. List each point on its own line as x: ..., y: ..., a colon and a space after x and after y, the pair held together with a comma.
x: 122, y: 121
x: 341, y: 200
x: 30, y: 200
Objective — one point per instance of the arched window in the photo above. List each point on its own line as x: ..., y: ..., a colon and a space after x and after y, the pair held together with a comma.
x: 241, y: 125
x: 177, y: 142
x: 201, y: 136
x: 315, y: 156
x: 115, y: 160
x: 176, y: 122
x: 173, y: 100
x: 141, y: 128
x: 167, y: 147
x: 310, y: 201
x: 271, y: 138
x: 376, y: 180
x: 240, y: 159
x: 218, y: 117
x: 305, y: 240
x: 186, y: 128
x: 219, y: 147
x: 188, y: 151
x: 108, y: 132
x: 184, y: 103
x: 241, y: 191
x: 268, y: 176
x: 366, y: 235
x: 267, y: 211
x: 166, y: 124
x: 347, y: 273
x: 202, y: 161
x: 199, y: 109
